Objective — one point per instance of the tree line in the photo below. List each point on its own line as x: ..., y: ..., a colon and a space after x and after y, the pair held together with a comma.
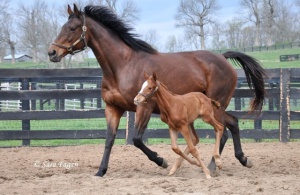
x: 31, y: 28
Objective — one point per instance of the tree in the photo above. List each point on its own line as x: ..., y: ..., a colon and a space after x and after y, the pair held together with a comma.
x: 152, y: 38
x: 174, y: 45
x: 6, y: 30
x: 270, y: 9
x: 254, y: 10
x: 195, y: 16
x: 37, y: 27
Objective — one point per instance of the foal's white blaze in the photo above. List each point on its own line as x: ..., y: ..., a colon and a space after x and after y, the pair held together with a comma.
x: 145, y: 84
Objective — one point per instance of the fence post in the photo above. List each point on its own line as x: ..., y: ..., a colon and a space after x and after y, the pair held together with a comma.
x: 81, y: 100
x: 25, y: 106
x: 130, y: 127
x: 284, y: 124
x: 33, y: 102
x: 99, y: 100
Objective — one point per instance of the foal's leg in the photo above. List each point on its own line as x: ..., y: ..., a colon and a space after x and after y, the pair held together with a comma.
x: 143, y: 114
x: 186, y: 134
x: 175, y: 148
x: 208, y: 117
x: 179, y: 160
x: 113, y: 115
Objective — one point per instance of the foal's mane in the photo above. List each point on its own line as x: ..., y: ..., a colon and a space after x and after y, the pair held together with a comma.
x: 164, y: 86
x: 111, y: 21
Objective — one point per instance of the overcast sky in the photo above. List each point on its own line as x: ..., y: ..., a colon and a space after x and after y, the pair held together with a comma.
x: 159, y: 15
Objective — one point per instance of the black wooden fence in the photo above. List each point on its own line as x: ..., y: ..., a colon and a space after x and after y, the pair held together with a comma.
x: 283, y: 85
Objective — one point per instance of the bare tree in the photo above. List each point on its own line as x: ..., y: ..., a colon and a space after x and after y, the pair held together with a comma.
x: 152, y: 38
x: 6, y: 29
x: 195, y: 15
x: 254, y: 10
x: 38, y: 24
x: 233, y: 33
x: 270, y: 9
x: 287, y: 23
x: 217, y: 33
x: 174, y: 44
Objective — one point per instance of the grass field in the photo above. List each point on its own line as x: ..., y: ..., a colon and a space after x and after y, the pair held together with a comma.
x: 269, y: 59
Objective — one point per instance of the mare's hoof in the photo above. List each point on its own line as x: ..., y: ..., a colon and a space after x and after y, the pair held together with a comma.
x: 164, y: 164
x: 101, y: 173
x: 249, y: 163
x: 215, y: 173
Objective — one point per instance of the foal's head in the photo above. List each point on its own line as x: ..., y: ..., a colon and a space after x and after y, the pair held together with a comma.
x: 149, y: 87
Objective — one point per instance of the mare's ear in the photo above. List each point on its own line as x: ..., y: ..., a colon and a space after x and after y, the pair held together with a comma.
x: 146, y: 76
x: 76, y: 11
x: 154, y: 76
x: 70, y: 10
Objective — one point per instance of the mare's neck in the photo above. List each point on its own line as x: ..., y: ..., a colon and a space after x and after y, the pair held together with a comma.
x: 111, y: 52
x: 164, y: 97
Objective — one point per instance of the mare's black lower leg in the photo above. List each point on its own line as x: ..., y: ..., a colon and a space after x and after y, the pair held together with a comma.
x: 109, y: 142
x: 142, y: 118
x: 113, y: 116
x: 233, y: 126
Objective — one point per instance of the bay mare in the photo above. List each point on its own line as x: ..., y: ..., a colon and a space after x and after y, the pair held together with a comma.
x: 180, y: 112
x: 123, y: 57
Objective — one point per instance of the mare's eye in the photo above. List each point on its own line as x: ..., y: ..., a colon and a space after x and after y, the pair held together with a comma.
x: 73, y: 28
x: 149, y: 88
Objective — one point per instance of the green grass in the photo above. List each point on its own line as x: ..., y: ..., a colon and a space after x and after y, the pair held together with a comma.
x: 270, y: 59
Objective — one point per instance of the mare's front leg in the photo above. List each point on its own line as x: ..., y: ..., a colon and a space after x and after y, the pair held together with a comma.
x: 113, y: 115
x: 143, y: 114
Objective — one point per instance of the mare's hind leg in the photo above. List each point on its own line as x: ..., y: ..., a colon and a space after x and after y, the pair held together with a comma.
x: 233, y: 126
x: 113, y: 115
x: 143, y: 114
x: 179, y: 160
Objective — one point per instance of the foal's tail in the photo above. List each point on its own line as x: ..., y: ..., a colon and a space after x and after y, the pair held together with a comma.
x: 216, y: 103
x: 254, y: 74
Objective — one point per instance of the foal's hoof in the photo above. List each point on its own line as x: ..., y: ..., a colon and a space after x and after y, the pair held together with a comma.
x: 164, y: 164
x: 249, y: 163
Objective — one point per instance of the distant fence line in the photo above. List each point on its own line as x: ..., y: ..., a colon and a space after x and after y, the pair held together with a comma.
x: 282, y: 85
x: 260, y: 48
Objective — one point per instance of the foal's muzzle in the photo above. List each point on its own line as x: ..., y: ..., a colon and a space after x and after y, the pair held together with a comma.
x: 138, y: 100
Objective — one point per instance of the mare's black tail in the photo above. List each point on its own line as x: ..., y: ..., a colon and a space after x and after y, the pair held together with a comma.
x: 254, y: 74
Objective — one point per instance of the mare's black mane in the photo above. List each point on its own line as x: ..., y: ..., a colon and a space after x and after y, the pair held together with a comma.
x: 111, y: 21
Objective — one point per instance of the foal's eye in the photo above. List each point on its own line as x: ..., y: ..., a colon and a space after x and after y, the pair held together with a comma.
x: 149, y: 88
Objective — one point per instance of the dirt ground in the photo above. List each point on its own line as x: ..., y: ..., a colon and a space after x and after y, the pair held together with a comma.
x: 70, y: 170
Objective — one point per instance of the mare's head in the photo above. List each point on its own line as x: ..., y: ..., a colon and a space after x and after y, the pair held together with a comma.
x: 71, y: 38
x: 148, y: 90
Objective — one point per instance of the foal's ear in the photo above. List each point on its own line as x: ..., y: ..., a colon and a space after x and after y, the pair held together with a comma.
x: 70, y: 10
x: 146, y: 76
x: 76, y: 11
x: 154, y: 76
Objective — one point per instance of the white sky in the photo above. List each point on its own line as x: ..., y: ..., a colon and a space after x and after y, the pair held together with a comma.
x: 159, y: 15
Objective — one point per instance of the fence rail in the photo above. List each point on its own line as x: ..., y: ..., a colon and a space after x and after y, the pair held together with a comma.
x: 282, y: 86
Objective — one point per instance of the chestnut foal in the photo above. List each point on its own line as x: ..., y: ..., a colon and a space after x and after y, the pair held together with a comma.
x: 180, y: 112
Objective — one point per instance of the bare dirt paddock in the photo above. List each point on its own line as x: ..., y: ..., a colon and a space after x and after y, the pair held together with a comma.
x: 69, y: 170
